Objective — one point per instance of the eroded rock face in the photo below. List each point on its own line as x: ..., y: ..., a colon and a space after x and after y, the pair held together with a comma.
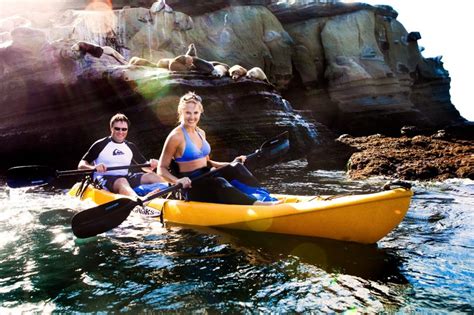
x: 250, y: 36
x: 435, y: 157
x: 55, y: 112
x: 369, y: 66
x: 352, y: 67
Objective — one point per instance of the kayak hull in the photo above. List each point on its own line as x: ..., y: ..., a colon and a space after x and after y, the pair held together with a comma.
x: 364, y: 218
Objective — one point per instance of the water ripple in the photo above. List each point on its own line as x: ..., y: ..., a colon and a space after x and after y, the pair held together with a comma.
x: 425, y: 265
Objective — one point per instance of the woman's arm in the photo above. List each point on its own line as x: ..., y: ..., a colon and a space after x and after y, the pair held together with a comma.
x: 211, y: 163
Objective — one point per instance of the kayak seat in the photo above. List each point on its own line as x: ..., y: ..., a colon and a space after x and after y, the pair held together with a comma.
x: 144, y: 189
x: 259, y: 193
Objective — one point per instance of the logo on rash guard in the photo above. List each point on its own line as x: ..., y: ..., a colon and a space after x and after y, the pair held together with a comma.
x: 117, y: 152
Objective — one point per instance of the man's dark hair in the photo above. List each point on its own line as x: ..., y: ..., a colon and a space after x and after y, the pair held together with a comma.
x: 119, y: 117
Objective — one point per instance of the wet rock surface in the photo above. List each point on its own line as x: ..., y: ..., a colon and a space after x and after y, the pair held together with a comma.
x: 238, y: 117
x: 421, y: 157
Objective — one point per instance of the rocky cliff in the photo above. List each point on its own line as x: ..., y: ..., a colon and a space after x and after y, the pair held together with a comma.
x: 352, y: 67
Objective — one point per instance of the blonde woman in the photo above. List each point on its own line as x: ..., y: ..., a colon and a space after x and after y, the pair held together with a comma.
x: 187, y: 145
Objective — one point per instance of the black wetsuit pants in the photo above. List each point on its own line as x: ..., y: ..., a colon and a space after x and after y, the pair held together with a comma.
x: 217, y: 189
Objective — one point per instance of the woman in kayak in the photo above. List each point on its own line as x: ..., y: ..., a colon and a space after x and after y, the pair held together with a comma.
x: 187, y: 145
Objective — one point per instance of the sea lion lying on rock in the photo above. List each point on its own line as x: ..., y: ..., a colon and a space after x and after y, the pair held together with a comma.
x: 237, y: 72
x: 189, y: 63
x: 257, y: 74
x: 202, y: 66
x: 164, y: 63
x: 112, y: 52
x: 88, y: 48
x: 137, y: 61
x: 181, y: 63
x: 220, y: 70
x: 97, y: 51
x: 199, y: 65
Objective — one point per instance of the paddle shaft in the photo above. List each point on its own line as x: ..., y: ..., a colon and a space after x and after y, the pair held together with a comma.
x: 113, y: 168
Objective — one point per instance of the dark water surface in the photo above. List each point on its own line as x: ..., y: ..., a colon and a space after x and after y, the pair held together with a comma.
x: 425, y: 265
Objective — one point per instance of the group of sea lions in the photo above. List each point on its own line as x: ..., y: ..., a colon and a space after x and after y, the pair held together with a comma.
x: 187, y: 62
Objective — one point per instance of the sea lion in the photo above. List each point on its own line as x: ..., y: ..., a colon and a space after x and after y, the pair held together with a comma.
x: 220, y: 70
x: 85, y: 47
x: 191, y: 50
x: 164, y: 63
x: 137, y: 61
x: 202, y: 66
x: 237, y: 72
x: 181, y: 63
x: 112, y: 52
x: 257, y: 74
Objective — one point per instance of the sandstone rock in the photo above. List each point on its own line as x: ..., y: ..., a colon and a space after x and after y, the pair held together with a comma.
x: 57, y: 110
x: 375, y: 72
x: 353, y: 67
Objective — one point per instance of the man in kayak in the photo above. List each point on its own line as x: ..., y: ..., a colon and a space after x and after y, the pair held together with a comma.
x: 115, y: 150
x: 188, y: 147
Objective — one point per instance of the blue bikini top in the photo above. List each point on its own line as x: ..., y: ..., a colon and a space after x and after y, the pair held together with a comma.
x: 191, y: 151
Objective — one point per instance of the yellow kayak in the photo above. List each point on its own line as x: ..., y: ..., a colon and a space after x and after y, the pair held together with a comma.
x: 364, y: 218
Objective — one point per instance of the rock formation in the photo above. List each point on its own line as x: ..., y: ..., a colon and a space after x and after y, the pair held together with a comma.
x: 367, y: 69
x: 57, y: 100
x: 435, y: 157
x: 351, y: 67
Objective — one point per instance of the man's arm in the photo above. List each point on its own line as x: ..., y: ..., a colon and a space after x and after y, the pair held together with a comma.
x: 84, y: 165
x: 87, y: 161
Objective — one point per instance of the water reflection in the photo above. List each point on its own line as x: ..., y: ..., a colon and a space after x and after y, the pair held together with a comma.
x: 425, y: 265
x: 364, y: 261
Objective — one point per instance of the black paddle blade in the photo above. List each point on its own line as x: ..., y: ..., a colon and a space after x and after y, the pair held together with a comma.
x: 102, y: 218
x: 30, y: 175
x: 274, y: 149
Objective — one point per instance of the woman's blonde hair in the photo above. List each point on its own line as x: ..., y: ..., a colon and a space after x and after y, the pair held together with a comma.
x: 184, y: 99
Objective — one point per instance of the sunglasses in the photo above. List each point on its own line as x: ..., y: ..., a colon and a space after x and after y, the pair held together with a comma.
x: 192, y: 96
x: 120, y: 129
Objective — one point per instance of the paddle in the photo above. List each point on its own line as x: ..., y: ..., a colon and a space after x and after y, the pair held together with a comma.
x: 35, y: 175
x: 107, y: 216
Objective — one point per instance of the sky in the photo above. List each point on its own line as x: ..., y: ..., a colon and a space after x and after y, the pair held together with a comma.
x: 445, y: 28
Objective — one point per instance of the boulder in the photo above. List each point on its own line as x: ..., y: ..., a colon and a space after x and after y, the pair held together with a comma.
x: 421, y: 157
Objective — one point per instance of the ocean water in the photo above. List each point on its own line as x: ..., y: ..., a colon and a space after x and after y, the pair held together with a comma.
x: 425, y: 265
